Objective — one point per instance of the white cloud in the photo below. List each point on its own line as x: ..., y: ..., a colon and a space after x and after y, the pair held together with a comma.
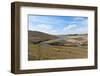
x: 42, y: 28
x: 68, y: 27
x: 75, y: 29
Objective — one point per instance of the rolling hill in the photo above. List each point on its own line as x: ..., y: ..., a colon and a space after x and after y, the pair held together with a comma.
x: 36, y: 37
x: 43, y: 46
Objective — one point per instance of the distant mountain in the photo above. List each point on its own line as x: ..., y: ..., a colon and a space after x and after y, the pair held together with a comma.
x: 36, y: 36
x: 74, y: 35
x: 69, y: 40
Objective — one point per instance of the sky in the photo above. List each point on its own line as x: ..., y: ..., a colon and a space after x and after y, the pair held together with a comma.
x: 58, y: 25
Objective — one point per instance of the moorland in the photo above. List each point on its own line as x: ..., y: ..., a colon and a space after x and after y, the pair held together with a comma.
x: 43, y: 46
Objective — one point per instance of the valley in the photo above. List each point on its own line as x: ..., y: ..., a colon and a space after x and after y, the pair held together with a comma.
x: 42, y: 46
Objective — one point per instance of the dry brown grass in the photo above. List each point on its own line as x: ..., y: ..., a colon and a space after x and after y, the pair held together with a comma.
x: 43, y: 46
x: 45, y: 52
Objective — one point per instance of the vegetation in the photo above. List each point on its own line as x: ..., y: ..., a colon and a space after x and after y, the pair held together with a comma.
x: 44, y: 46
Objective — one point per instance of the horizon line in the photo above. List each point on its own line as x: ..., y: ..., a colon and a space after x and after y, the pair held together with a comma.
x: 59, y: 34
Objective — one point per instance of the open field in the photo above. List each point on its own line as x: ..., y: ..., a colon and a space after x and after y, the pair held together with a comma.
x: 43, y: 46
x: 44, y: 52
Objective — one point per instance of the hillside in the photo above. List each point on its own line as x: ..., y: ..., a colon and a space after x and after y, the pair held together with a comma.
x: 35, y: 36
x: 43, y: 46
x: 69, y: 40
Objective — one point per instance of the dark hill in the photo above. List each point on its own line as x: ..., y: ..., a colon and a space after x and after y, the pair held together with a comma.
x: 36, y: 37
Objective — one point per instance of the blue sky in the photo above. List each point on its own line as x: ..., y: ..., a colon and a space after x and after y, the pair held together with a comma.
x: 58, y: 25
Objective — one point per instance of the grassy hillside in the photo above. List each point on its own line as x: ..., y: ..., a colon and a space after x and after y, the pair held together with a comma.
x: 43, y: 46
x: 36, y: 36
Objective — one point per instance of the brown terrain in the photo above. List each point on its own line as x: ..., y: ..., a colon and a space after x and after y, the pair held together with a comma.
x: 43, y: 46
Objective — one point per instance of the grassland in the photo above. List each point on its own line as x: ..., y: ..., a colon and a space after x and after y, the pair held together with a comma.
x: 48, y: 47
x: 44, y: 52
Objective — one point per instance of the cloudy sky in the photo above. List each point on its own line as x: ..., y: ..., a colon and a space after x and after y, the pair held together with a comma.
x: 58, y: 25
